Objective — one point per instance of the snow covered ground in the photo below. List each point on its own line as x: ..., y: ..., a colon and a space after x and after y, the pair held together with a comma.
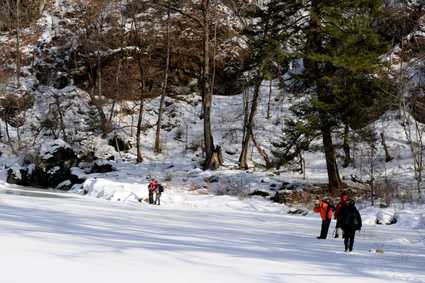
x: 50, y: 237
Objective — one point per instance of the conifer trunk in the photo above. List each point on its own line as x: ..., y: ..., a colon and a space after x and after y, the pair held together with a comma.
x: 315, y: 45
x: 346, y: 147
x: 330, y: 155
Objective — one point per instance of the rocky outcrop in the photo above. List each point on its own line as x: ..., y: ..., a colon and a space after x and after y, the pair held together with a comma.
x: 119, y: 144
x: 101, y: 166
x: 50, y: 167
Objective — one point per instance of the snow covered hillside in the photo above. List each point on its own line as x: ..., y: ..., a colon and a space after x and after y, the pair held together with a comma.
x: 61, y: 108
x: 51, y: 237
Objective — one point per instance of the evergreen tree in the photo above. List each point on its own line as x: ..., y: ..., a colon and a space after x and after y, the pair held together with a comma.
x: 341, y: 52
x: 297, y: 135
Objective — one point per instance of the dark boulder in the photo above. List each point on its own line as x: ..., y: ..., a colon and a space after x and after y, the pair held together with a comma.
x: 119, y: 144
x: 298, y: 211
x: 212, y: 179
x: 260, y: 193
x: 51, y: 166
x: 100, y: 166
x: 17, y: 176
x: 279, y: 197
x: 416, y: 102
x: 78, y: 176
x: 64, y: 186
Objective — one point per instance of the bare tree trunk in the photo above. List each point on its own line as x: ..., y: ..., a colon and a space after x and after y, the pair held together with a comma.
x: 205, y: 85
x: 114, y: 102
x: 388, y: 156
x: 18, y: 134
x: 214, y: 62
x: 132, y: 125
x: 269, y: 104
x: 157, y: 147
x: 262, y: 152
x: 139, y: 131
x: 7, y: 131
x: 9, y: 140
x: 420, y: 155
x: 245, y: 111
x: 243, y: 159
x: 98, y: 107
x: 302, y: 164
x: 372, y: 180
x: 111, y: 114
x: 62, y: 124
x: 18, y: 43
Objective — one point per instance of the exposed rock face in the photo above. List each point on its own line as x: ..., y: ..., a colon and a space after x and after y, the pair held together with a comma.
x: 50, y: 168
x: 259, y: 193
x: 279, y: 197
x: 417, y: 109
x: 101, y: 166
x: 119, y: 144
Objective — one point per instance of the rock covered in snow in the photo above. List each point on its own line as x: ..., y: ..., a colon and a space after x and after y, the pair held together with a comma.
x: 50, y: 168
x: 385, y: 216
x: 102, y: 166
x: 119, y: 144
x: 279, y: 197
x: 298, y: 211
x: 64, y: 186
x: 259, y: 193
x: 212, y: 179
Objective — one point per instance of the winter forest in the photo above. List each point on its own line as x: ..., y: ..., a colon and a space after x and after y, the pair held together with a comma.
x: 212, y: 141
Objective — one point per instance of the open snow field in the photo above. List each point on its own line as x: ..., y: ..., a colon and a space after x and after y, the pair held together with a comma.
x: 50, y: 237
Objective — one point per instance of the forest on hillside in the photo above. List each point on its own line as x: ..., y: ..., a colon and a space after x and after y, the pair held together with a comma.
x: 81, y: 71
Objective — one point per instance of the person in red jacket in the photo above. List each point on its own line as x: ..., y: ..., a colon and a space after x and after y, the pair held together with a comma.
x: 152, y: 187
x: 338, y: 215
x: 325, y: 208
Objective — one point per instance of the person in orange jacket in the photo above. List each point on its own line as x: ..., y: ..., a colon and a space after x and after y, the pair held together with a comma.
x: 325, y: 208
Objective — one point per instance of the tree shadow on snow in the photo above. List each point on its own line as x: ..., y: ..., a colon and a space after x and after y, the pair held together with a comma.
x: 242, y: 235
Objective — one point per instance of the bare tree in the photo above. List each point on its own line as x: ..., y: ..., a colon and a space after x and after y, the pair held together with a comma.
x: 414, y: 132
x: 18, y: 42
x: 157, y: 146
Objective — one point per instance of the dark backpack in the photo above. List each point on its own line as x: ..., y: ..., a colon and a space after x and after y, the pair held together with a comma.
x: 160, y: 188
x: 351, y: 220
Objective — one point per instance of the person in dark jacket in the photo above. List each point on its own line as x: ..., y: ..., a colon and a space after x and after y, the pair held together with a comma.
x: 158, y: 194
x: 342, y: 203
x: 351, y: 222
x: 325, y: 208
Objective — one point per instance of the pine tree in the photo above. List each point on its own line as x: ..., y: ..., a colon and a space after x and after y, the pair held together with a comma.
x: 297, y: 135
x: 341, y: 52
